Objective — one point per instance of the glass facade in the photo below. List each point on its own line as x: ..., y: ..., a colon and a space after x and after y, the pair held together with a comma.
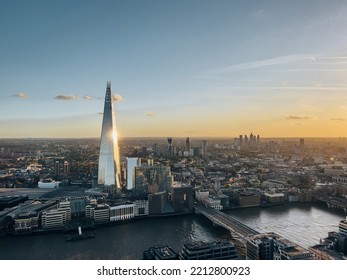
x: 109, y: 161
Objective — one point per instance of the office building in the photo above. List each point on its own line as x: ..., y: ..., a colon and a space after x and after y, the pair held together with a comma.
x: 100, y: 213
x: 187, y: 145
x: 217, y: 250
x: 204, y: 148
x: 141, y: 208
x: 170, y: 147
x: 156, y: 149
x: 122, y: 212
x: 48, y: 184
x: 152, y: 179
x: 109, y: 160
x: 271, y: 246
x: 246, y: 139
x: 336, y: 241
x: 182, y: 197
x: 57, y: 168
x: 141, y: 185
x: 132, y: 162
x: 78, y: 206
x: 251, y: 139
x: 26, y: 217
x: 196, y: 151
x: 343, y: 227
x: 56, y: 218
x: 323, y: 252
x: 160, y: 252
x: 66, y: 168
x: 158, y: 204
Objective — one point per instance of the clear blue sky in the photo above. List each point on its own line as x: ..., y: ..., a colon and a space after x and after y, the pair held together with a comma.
x: 182, y: 68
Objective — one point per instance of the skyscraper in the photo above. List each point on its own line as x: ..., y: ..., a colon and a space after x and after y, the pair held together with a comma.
x: 109, y: 161
x: 57, y: 168
x: 204, y: 148
x: 169, y: 141
x: 132, y: 162
x: 188, y: 145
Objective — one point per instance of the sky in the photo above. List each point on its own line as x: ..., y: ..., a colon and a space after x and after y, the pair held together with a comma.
x: 178, y: 68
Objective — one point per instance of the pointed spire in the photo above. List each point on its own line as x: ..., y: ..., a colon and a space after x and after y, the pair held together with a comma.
x: 108, y: 97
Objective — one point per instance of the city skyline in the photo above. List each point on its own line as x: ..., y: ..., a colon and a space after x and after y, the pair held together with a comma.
x: 186, y: 68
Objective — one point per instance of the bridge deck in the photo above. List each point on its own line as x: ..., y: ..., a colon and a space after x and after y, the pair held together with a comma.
x: 225, y: 221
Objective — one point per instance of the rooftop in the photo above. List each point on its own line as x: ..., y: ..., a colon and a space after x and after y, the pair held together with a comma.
x: 286, y: 245
x: 201, y: 245
x: 324, y: 249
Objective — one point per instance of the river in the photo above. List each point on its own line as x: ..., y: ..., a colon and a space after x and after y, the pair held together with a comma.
x: 304, y: 224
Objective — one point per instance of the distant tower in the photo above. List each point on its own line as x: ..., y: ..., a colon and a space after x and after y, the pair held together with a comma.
x: 258, y: 138
x: 188, y: 145
x: 57, y: 168
x: 169, y: 141
x: 66, y: 168
x: 155, y: 149
x: 302, y: 144
x: 109, y: 162
x: 251, y: 140
x: 240, y: 140
x: 246, y: 139
x: 204, y: 148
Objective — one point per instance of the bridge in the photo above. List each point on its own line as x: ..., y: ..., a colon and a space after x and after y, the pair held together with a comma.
x: 225, y: 221
x: 238, y: 230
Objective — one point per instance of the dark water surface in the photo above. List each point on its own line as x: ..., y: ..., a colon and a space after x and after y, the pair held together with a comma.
x: 303, y: 224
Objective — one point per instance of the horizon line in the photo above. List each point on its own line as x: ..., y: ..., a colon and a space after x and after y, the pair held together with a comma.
x: 165, y: 137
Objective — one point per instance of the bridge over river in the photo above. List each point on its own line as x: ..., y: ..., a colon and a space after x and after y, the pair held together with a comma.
x: 225, y: 221
x: 238, y: 230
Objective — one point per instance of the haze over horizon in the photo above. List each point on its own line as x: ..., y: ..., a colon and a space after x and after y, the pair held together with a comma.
x: 180, y: 68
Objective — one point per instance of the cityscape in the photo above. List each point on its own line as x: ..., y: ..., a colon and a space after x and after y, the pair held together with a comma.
x: 77, y: 186
x: 200, y: 145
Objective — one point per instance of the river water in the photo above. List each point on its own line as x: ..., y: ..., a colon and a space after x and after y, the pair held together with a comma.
x: 304, y: 224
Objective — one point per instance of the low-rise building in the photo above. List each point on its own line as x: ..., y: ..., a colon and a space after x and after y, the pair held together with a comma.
x: 122, y: 212
x: 275, y: 198
x: 337, y: 242
x: 56, y: 218
x: 160, y: 252
x: 247, y: 199
x: 213, y: 202
x: 322, y: 252
x: 141, y: 208
x: 343, y: 227
x: 271, y: 246
x: 201, y: 195
x: 26, y: 216
x: 26, y: 222
x: 48, y: 184
x: 217, y: 250
x: 102, y: 213
x: 273, y: 184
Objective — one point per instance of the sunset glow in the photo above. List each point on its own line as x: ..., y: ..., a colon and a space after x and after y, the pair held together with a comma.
x: 186, y: 68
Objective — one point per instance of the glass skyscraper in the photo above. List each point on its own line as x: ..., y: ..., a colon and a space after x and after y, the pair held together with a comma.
x: 109, y: 161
